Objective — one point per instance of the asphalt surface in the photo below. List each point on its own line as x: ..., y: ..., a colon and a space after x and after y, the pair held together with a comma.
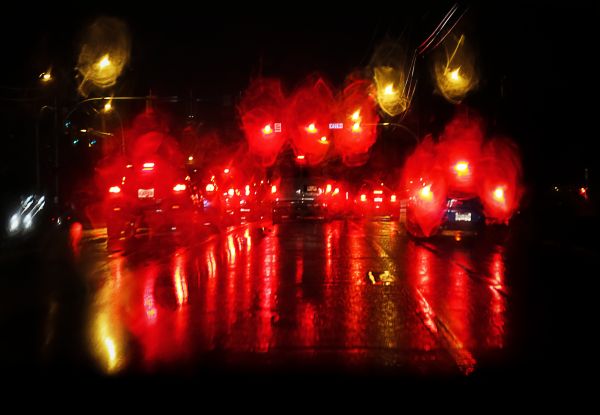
x: 349, y: 297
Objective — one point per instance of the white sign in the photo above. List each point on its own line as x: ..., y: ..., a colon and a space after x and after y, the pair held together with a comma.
x: 277, y: 126
x: 336, y: 125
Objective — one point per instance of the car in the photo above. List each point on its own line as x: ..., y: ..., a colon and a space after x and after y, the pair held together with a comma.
x: 300, y: 197
x: 376, y: 200
x: 463, y: 215
x: 154, y: 194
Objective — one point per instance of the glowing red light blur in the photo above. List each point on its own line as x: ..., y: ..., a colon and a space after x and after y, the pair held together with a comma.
x: 262, y: 111
x: 210, y: 187
x: 358, y: 111
x: 226, y: 171
x: 363, y: 198
x: 273, y: 189
x: 114, y: 189
x: 231, y: 192
x: 500, y: 180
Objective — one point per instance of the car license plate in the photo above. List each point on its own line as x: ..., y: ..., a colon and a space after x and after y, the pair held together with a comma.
x: 462, y: 217
x: 145, y: 193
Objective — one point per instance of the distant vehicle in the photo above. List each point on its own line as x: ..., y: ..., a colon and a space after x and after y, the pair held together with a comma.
x: 152, y: 194
x: 301, y: 197
x: 375, y: 200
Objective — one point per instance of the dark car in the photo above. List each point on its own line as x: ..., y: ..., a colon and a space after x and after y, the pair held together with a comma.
x: 300, y: 198
x: 154, y: 195
x: 463, y: 215
x: 376, y: 200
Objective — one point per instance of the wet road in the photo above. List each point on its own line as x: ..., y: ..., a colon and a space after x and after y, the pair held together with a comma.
x: 349, y: 296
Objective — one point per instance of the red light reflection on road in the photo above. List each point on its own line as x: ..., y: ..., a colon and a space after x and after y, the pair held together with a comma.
x: 495, y: 338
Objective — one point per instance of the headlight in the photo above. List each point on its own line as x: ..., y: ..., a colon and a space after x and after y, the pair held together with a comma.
x: 15, y: 222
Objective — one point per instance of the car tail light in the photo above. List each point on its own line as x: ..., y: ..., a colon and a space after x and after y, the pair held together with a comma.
x: 148, y: 166
x: 363, y: 198
x: 328, y: 188
x: 392, y: 198
x: 210, y: 187
x: 179, y: 187
x: 273, y: 189
x: 114, y: 189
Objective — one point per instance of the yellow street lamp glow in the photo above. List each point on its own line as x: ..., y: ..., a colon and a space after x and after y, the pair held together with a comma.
x: 356, y: 116
x: 392, y: 96
x: 46, y: 76
x: 104, y: 62
x: 455, y: 70
x: 108, y: 107
x: 454, y: 75
x: 356, y: 127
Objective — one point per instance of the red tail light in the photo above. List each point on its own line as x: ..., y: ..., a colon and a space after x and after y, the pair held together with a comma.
x: 114, y: 189
x: 210, y: 187
x: 180, y: 187
x: 148, y: 166
x: 273, y: 189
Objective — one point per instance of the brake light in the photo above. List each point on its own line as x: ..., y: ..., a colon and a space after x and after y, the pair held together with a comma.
x: 148, y: 166
x: 114, y: 189
x: 300, y: 157
x: 363, y: 198
x: 210, y: 187
x: 180, y: 187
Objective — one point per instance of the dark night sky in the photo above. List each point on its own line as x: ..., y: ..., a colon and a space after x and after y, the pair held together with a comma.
x: 544, y: 55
